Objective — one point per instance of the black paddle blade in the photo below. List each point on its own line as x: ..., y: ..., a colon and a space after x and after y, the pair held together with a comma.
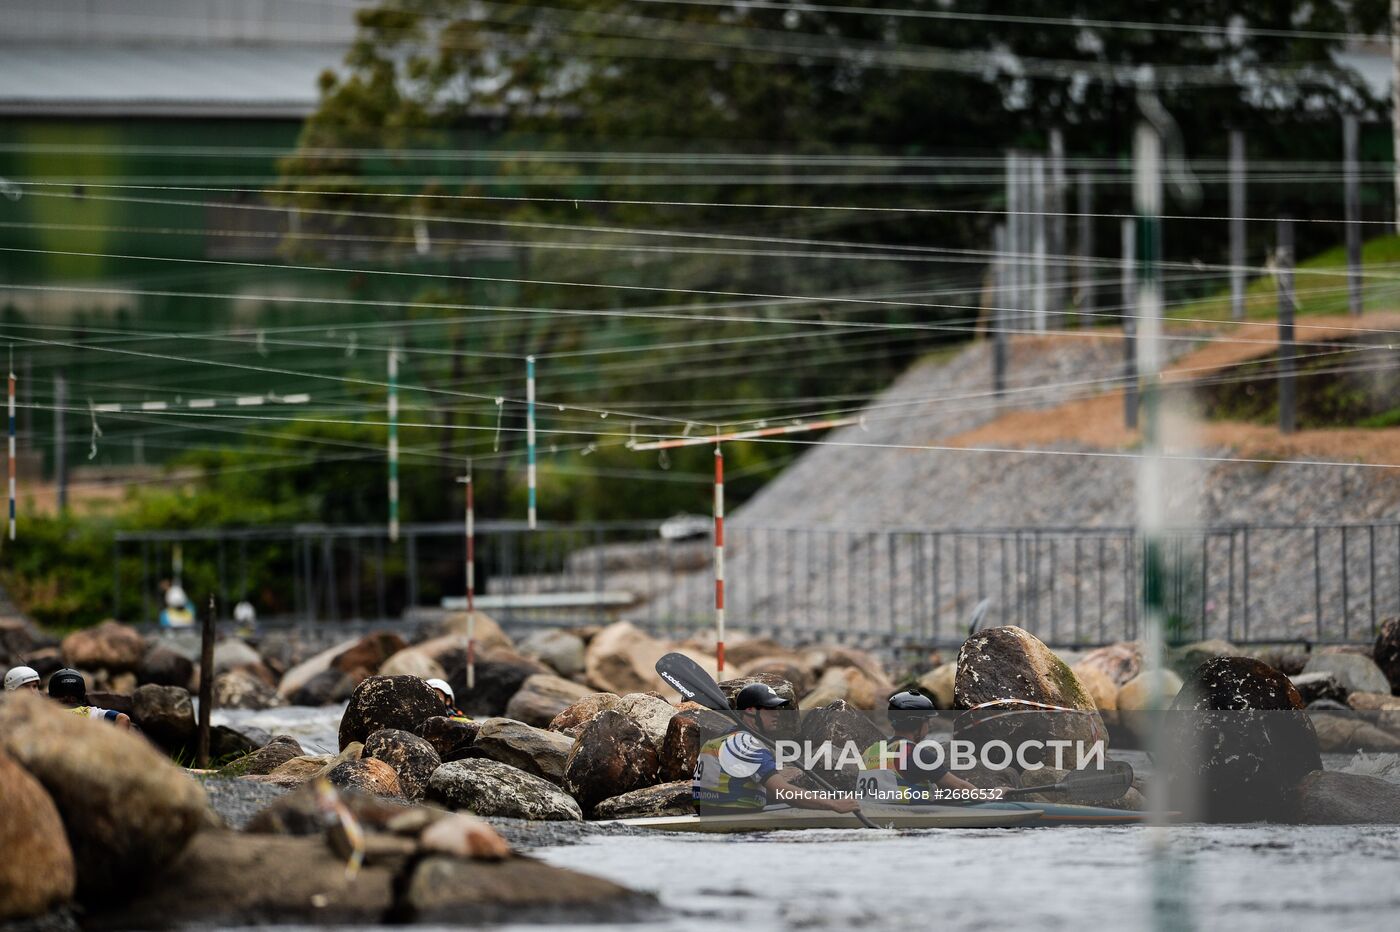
x: 690, y: 680
x: 1089, y: 785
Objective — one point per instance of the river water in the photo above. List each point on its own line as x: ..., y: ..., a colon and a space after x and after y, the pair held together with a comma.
x: 1237, y: 878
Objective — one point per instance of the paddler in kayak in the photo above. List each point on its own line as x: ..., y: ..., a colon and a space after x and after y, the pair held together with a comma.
x: 449, y: 699
x: 894, y: 770
x: 737, y: 771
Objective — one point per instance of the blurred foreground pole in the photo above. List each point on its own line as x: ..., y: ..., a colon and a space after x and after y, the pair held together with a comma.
x: 1058, y: 238
x: 1351, y: 170
x: 1085, y: 302
x: 719, y: 560
x: 1395, y: 99
x: 206, y: 685
x: 1287, y: 365
x: 1130, y: 380
x: 60, y: 440
x: 998, y: 321
x: 1038, y: 221
x: 1237, y: 248
x: 1011, y: 261
x: 393, y: 444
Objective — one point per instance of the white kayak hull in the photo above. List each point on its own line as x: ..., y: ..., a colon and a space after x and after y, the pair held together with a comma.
x: 785, y: 820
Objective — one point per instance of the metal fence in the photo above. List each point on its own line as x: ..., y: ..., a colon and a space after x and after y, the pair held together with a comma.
x: 889, y: 587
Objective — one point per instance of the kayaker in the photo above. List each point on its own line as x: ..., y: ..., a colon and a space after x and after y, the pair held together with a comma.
x: 22, y: 678
x: 737, y: 772
x: 449, y: 699
x: 69, y: 688
x: 894, y: 769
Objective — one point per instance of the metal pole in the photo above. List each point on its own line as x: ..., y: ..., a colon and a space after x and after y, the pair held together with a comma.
x: 1237, y: 242
x: 999, y: 292
x: 1011, y: 260
x: 1351, y: 173
x: 60, y: 440
x: 1041, y: 293
x: 1130, y: 375
x: 1287, y: 365
x: 206, y: 685
x: 1085, y: 303
x: 1058, y: 239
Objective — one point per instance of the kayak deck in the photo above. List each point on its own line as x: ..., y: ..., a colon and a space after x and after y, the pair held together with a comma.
x: 1069, y: 814
x: 789, y: 819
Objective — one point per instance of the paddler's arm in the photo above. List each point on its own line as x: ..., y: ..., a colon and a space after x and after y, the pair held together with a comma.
x: 782, y: 787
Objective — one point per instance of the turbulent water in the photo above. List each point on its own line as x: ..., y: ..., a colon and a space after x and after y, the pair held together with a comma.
x: 1240, y: 878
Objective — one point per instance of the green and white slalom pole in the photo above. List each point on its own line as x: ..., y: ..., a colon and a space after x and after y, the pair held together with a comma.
x: 393, y: 444
x: 1147, y: 203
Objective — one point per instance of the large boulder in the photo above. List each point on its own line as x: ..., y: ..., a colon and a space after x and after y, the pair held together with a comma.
x: 363, y: 659
x: 743, y: 651
x: 622, y: 659
x: 1099, y: 685
x: 867, y: 664
x: 1137, y: 694
x: 651, y: 714
x: 163, y: 665
x: 366, y: 775
x: 847, y: 684
x: 488, y: 633
x: 533, y: 750
x: 36, y: 873
x: 500, y: 673
x: 413, y: 662
x: 680, y: 749
x: 1238, y: 743
x: 110, y: 646
x: 242, y: 689
x: 1355, y: 673
x: 782, y: 687
x: 20, y: 639
x: 1327, y: 797
x: 128, y: 811
x: 325, y: 688
x: 938, y: 684
x: 571, y: 720
x: 1119, y: 662
x: 448, y: 736
x: 1387, y: 652
x: 1320, y: 685
x: 839, y: 725
x: 664, y: 799
x: 561, y: 651
x: 412, y: 758
x: 301, y: 674
x: 165, y: 714
x: 265, y: 759
x: 1011, y: 663
x: 611, y: 756
x: 784, y: 668
x: 1185, y: 659
x: 402, y: 702
x: 543, y: 696
x: 235, y: 654
x: 490, y: 788
x: 1347, y: 732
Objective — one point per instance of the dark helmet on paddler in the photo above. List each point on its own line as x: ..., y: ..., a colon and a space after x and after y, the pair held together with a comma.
x: 909, y: 709
x: 759, y: 696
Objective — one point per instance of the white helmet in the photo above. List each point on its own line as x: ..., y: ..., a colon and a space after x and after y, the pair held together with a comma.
x: 175, y: 597
x: 441, y: 686
x: 20, y: 676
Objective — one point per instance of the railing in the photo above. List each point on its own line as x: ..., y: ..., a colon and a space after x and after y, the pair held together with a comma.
x: 1069, y: 586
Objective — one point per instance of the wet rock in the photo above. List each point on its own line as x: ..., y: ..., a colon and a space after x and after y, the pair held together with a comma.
x: 162, y: 665
x: 226, y: 743
x: 938, y: 684
x: 561, y: 651
x: 611, y: 756
x: 442, y: 890
x: 1119, y: 662
x: 363, y: 660
x: 413, y: 662
x: 226, y: 879
x: 234, y: 654
x: 464, y: 836
x: 1386, y: 652
x: 791, y: 671
x: 782, y: 687
x: 680, y: 749
x: 165, y: 714
x: 541, y: 697
x: 241, y: 689
x: 1099, y: 685
x: 1185, y: 659
x: 299, y: 812
x: 46, y: 661
x: 840, y: 725
x: 412, y: 758
x: 490, y: 788
x: 1355, y: 673
x: 110, y: 646
x: 1314, y: 686
x: 622, y: 659
x: 1136, y: 694
x: 845, y: 684
x: 571, y: 720
x: 533, y: 750
x: 664, y: 799
x: 128, y: 810
x: 402, y: 702
x: 36, y: 871
x: 266, y: 759
x: 651, y: 714
x: 367, y: 775
x: 500, y: 673
x: 447, y: 735
x: 20, y: 639
x: 1327, y: 797
x: 325, y: 688
x: 302, y: 674
x: 1011, y: 663
x: 1238, y: 743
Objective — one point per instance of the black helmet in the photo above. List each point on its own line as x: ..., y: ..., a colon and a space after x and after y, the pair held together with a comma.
x: 908, y: 709
x: 68, y: 685
x: 758, y: 696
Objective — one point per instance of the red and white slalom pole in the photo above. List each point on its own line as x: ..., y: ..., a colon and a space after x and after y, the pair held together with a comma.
x: 12, y: 449
x: 719, y: 559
